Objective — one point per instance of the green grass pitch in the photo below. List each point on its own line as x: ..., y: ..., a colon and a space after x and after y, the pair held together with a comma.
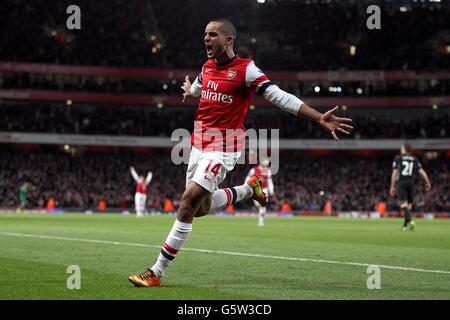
x: 239, y: 261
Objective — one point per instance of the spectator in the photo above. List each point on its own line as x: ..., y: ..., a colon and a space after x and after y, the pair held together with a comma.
x: 312, y: 35
x: 133, y: 121
x: 82, y: 180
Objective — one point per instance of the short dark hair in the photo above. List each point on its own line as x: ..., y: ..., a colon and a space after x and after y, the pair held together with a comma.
x: 228, y: 27
x: 407, y: 147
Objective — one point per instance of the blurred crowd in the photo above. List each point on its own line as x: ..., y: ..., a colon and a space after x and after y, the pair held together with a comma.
x: 279, y: 35
x: 137, y: 121
x: 354, y: 183
x: 366, y: 126
x: 414, y: 88
x: 146, y: 121
x: 305, y: 182
x: 82, y: 181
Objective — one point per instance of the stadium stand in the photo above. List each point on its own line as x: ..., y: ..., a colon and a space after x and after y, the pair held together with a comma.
x: 89, y: 82
x: 82, y: 179
x: 141, y: 121
x: 295, y: 35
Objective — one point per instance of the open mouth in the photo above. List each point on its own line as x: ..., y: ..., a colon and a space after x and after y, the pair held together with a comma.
x: 209, y: 49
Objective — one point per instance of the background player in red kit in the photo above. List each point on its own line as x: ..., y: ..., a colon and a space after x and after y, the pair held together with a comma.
x: 262, y: 171
x: 225, y: 86
x: 140, y: 197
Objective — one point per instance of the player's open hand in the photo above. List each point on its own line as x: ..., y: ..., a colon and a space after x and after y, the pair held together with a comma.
x: 186, y: 87
x: 427, y: 187
x: 392, y: 191
x: 332, y: 123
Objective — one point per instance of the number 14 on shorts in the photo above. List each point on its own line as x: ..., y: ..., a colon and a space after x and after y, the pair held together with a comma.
x: 214, y: 168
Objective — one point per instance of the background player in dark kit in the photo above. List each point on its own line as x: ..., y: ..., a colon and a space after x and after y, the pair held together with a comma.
x: 404, y: 169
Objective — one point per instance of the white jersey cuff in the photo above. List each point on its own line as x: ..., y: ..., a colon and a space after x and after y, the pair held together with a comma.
x: 282, y: 99
x: 196, y: 88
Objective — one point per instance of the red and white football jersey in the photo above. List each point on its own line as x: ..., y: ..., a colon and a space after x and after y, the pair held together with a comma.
x: 264, y: 174
x: 227, y: 91
x: 141, y: 187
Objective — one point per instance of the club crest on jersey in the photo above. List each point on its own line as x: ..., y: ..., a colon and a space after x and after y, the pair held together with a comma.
x: 231, y: 74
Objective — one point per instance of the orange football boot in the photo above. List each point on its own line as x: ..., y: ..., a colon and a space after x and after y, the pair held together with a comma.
x: 258, y: 194
x: 145, y: 279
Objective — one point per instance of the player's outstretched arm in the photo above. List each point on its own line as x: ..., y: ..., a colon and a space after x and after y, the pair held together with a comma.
x: 294, y: 105
x: 393, y: 179
x: 270, y: 185
x: 327, y: 120
x: 134, y: 174
x: 424, y: 176
x: 149, y: 177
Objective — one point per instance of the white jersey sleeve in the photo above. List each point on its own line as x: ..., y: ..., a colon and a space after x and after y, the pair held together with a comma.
x: 270, y: 182
x: 149, y: 178
x: 282, y: 99
x: 196, y: 86
x: 255, y: 78
x: 134, y: 174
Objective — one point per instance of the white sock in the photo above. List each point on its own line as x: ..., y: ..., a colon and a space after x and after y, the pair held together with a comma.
x: 224, y: 197
x: 178, y: 235
x: 219, y: 200
x: 262, y: 212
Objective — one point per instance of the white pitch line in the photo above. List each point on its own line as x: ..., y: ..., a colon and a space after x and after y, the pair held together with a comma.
x: 254, y: 255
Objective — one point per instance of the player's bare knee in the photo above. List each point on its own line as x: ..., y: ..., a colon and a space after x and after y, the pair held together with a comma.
x: 204, y: 208
x: 192, y: 198
x: 186, y: 211
x: 190, y: 203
